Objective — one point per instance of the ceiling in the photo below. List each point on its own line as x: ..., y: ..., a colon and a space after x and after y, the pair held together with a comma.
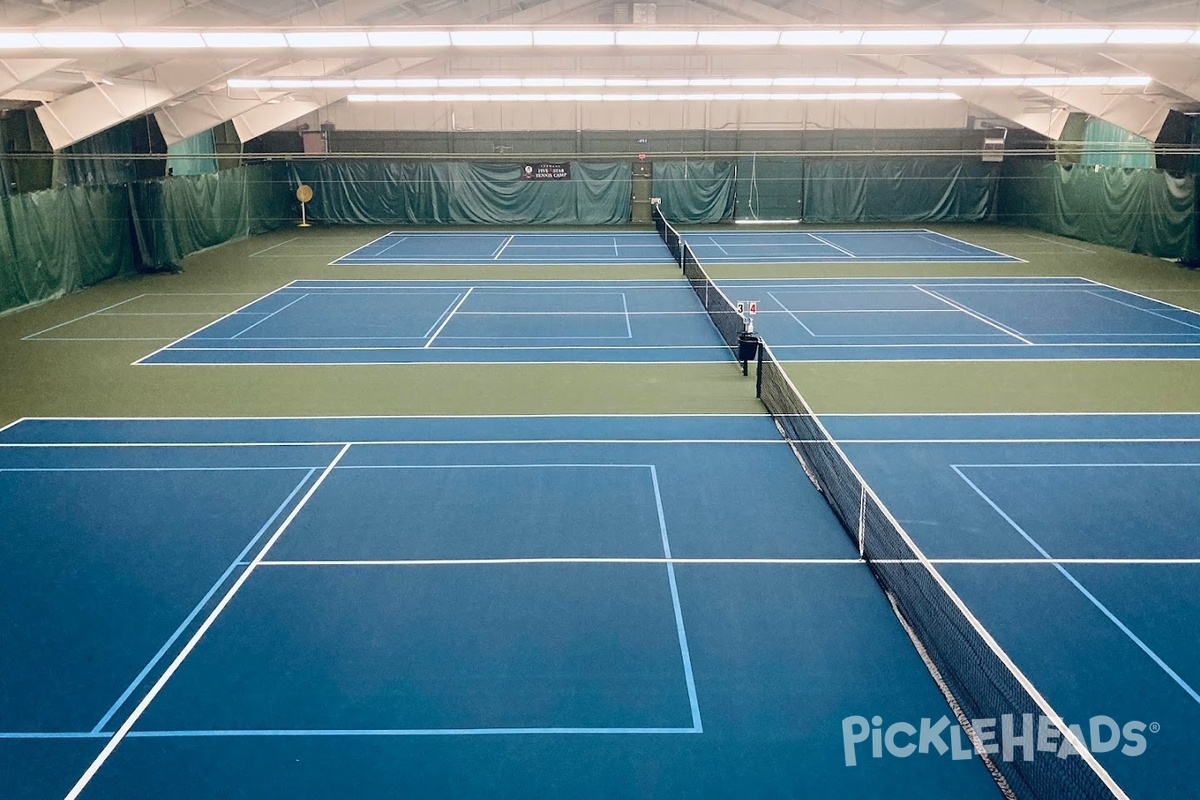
x: 78, y: 93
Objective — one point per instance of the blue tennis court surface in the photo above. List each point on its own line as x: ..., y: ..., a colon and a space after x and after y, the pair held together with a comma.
x: 370, y: 322
x: 715, y: 247
x: 873, y: 319
x: 1073, y: 539
x: 441, y: 607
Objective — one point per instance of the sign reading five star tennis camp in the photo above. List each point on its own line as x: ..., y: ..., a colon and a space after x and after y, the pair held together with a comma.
x: 546, y: 172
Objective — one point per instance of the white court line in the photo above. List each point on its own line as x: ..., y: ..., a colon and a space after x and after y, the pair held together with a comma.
x: 1142, y: 296
x: 440, y: 317
x: 1047, y: 440
x: 272, y: 247
x: 132, y: 719
x: 974, y: 314
x: 791, y: 314
x: 628, y: 323
x: 621, y: 347
x: 389, y: 247
x: 997, y: 414
x: 1006, y: 256
x: 381, y: 442
x: 77, y: 319
x: 209, y: 325
x: 1085, y: 464
x: 684, y: 415
x: 268, y: 316
x: 17, y: 421
x: 163, y: 314
x: 1149, y: 311
x: 503, y: 246
x: 1091, y: 597
x: 446, y: 321
x: 102, y: 339
x: 361, y: 247
x: 733, y: 562
x: 834, y: 246
x: 718, y: 244
x: 1060, y: 244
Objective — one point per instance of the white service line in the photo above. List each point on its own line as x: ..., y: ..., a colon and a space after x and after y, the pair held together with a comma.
x: 974, y: 314
x: 77, y: 319
x: 272, y: 247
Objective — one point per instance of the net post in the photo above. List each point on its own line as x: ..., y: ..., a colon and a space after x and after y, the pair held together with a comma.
x: 758, y: 373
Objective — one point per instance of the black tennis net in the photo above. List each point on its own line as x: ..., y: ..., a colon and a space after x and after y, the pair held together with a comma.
x: 670, y: 236
x: 724, y: 314
x: 978, y: 679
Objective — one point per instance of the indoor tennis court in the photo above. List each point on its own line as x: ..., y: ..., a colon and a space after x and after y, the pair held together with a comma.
x: 618, y: 400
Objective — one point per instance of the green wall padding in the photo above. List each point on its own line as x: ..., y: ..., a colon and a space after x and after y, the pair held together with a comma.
x: 176, y: 216
x: 460, y: 192
x: 695, y: 192
x: 60, y: 240
x: 1139, y: 210
x: 768, y: 187
x: 898, y: 190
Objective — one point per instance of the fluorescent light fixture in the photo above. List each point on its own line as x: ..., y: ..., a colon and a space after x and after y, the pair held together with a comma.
x: 257, y: 40
x: 417, y: 83
x: 1068, y: 35
x: 742, y: 38
x: 752, y: 82
x: 667, y: 82
x: 656, y: 38
x: 327, y: 39
x: 834, y: 81
x: 647, y: 97
x: 77, y: 40
x: 961, y: 82
x: 248, y: 83
x: 1150, y: 36
x: 821, y: 38
x: 795, y: 82
x: 626, y: 82
x: 1051, y: 80
x: 375, y: 83
x: 409, y: 38
x: 16, y: 40
x: 918, y: 82
x: 986, y: 36
x: 583, y: 82
x: 877, y: 82
x: 710, y: 82
x: 542, y: 83
x: 1130, y: 80
x: 292, y: 83
x: 1086, y: 80
x: 458, y: 83
x: 1002, y: 82
x: 161, y: 40
x: 504, y: 82
x: 574, y: 38
x: 493, y: 38
x: 903, y: 37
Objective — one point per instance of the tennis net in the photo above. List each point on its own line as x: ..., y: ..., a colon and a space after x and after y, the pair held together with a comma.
x: 724, y: 314
x: 670, y: 236
x: 978, y: 679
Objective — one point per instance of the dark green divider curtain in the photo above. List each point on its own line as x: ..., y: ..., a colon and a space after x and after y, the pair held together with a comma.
x: 768, y: 187
x: 176, y: 216
x: 461, y: 192
x: 61, y: 240
x: 1139, y: 210
x: 695, y: 192
x: 898, y: 190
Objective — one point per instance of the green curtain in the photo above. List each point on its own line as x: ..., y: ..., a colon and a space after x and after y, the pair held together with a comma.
x: 1109, y: 145
x: 768, y: 187
x: 464, y: 192
x: 176, y: 216
x: 60, y: 240
x: 898, y: 190
x: 1139, y: 210
x: 695, y: 192
x: 195, y: 155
